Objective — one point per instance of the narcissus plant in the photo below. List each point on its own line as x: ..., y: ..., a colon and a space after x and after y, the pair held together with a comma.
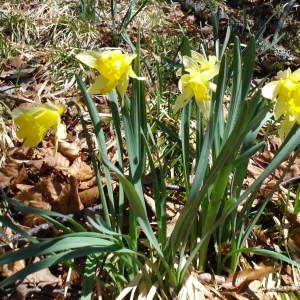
x: 197, y: 83
x: 34, y: 122
x: 285, y: 91
x: 114, y: 67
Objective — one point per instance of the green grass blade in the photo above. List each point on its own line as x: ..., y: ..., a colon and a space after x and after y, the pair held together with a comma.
x: 98, y: 223
x: 268, y: 253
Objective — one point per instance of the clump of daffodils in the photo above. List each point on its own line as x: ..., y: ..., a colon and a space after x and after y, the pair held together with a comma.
x: 114, y: 67
x: 197, y: 83
x: 34, y: 122
x: 285, y: 91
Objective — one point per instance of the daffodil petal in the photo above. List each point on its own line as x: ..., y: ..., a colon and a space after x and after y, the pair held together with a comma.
x: 269, y: 90
x: 102, y: 86
x: 296, y: 75
x: 89, y: 58
x: 183, y: 99
x: 284, y: 74
x: 211, y: 73
x: 34, y: 122
x: 199, y: 58
x: 212, y: 86
x: 61, y: 132
x: 114, y: 67
x: 122, y: 85
x: 197, y: 82
x: 285, y: 128
x: 133, y: 75
x: 280, y: 108
x: 189, y: 64
x: 205, y: 107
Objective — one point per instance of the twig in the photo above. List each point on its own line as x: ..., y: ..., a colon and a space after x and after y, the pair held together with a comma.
x: 293, y: 288
x: 290, y: 180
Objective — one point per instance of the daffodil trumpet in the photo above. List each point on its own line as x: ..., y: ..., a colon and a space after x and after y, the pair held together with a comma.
x: 114, y: 67
x: 197, y: 83
x: 34, y: 122
x: 285, y: 91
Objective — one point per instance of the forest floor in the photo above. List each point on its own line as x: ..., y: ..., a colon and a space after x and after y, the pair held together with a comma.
x: 38, y: 41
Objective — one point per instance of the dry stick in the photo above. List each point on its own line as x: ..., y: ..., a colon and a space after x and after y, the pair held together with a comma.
x: 295, y: 179
x: 286, y: 289
x: 283, y: 16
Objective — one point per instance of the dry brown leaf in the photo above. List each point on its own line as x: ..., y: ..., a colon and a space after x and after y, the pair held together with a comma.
x: 29, y: 194
x: 69, y: 150
x: 294, y: 245
x: 90, y: 196
x: 260, y: 234
x: 254, y: 170
x: 39, y: 279
x: 57, y: 160
x: 84, y: 185
x: 32, y: 220
x: 68, y: 200
x: 255, y: 289
x: 240, y: 279
x: 211, y: 278
x: 234, y: 295
x: 7, y: 174
x: 290, y: 275
x: 17, y: 73
x: 51, y: 187
x: 10, y: 269
x: 81, y: 170
x: 32, y: 196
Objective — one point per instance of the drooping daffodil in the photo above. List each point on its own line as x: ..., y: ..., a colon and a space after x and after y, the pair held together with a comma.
x: 197, y: 83
x: 34, y: 122
x: 285, y: 91
x: 114, y: 67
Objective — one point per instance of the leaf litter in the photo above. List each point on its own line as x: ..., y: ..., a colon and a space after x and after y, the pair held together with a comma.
x: 65, y: 183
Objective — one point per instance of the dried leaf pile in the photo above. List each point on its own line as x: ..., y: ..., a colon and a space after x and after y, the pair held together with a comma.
x: 39, y: 46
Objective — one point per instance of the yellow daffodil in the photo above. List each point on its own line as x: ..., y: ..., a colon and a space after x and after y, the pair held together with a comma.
x: 285, y: 91
x: 197, y: 82
x: 34, y: 122
x: 114, y: 67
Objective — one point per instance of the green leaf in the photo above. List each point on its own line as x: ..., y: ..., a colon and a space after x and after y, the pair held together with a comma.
x: 55, y: 259
x: 67, y: 241
x: 138, y: 208
x: 268, y: 253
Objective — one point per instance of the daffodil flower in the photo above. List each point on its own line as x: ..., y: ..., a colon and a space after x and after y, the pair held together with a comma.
x: 114, y: 67
x: 285, y: 91
x: 197, y: 83
x: 34, y: 122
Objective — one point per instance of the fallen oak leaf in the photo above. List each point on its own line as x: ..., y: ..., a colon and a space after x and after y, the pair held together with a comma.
x: 81, y: 170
